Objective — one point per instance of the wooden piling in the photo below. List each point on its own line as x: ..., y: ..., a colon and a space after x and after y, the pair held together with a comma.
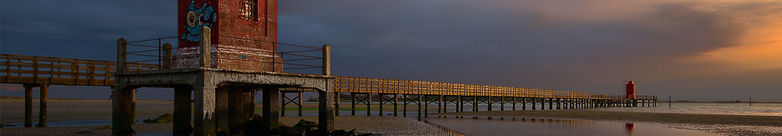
x: 42, y: 112
x: 28, y: 105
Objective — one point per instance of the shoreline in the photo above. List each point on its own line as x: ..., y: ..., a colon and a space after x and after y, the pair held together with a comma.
x: 719, y: 124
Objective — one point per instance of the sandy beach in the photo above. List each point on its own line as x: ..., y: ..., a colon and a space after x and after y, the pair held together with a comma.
x: 12, y: 111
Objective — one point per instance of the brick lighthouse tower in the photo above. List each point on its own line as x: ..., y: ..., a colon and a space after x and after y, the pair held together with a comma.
x: 630, y: 90
x: 243, y: 34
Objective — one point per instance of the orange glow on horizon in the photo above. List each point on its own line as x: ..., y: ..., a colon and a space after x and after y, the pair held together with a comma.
x: 760, y: 48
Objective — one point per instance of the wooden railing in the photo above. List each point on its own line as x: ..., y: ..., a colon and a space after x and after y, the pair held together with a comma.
x: 394, y: 86
x: 61, y: 71
x: 65, y: 71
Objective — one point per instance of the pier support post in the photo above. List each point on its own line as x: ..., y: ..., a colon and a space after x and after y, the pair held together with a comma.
x: 204, y: 102
x: 249, y: 107
x: 369, y: 104
x: 440, y: 104
x: 271, y: 103
x: 514, y: 104
x: 123, y: 110
x: 420, y: 98
x: 336, y: 103
x: 236, y: 104
x: 182, y: 111
x: 222, y: 110
x: 523, y: 103
x: 502, y: 103
x: 301, y: 102
x: 404, y: 105
x: 533, y: 104
x: 28, y: 105
x: 474, y: 103
x: 380, y: 106
x: 396, y: 102
x: 426, y: 105
x: 550, y: 103
x: 352, y: 104
x: 325, y: 110
x: 284, y: 103
x: 559, y: 103
x: 42, y: 111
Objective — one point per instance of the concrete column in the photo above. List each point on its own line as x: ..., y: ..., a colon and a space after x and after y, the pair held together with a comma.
x: 28, y: 105
x: 122, y: 48
x: 271, y: 107
x: 166, y: 56
x: 204, y: 110
x: 182, y: 111
x: 236, y: 104
x: 326, y: 110
x: 205, y: 47
x: 249, y: 106
x: 222, y: 110
x: 44, y: 90
x: 123, y: 110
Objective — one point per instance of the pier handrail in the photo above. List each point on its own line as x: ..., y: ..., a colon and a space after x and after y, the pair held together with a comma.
x: 66, y: 71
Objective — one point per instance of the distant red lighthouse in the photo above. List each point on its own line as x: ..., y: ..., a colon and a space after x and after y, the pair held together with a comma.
x: 630, y: 90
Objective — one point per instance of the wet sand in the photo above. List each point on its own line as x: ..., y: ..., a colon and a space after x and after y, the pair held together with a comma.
x: 12, y: 111
x: 720, y: 124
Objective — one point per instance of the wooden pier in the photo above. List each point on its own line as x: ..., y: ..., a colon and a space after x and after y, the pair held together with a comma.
x: 39, y: 71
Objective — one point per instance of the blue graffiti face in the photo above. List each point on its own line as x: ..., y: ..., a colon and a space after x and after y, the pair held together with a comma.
x: 196, y: 19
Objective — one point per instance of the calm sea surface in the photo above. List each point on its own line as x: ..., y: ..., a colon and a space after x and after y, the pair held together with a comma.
x: 762, y: 109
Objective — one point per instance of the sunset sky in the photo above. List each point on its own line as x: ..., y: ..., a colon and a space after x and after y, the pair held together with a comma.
x: 703, y: 50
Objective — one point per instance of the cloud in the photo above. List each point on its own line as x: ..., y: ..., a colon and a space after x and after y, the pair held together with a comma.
x: 586, y: 45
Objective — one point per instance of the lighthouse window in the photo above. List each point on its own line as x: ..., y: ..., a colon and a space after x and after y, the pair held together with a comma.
x: 249, y: 9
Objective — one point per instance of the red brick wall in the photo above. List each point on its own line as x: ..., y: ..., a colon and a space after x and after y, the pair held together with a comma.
x: 241, y: 44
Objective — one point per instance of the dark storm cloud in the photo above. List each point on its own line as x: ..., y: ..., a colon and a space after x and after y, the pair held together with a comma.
x: 457, y: 37
x: 83, y: 29
x: 510, y: 45
x: 536, y: 44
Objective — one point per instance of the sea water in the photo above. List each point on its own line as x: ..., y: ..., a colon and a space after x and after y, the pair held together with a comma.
x: 756, y: 109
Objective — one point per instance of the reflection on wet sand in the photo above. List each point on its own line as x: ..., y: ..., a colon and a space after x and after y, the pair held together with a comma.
x: 543, y: 126
x: 630, y: 127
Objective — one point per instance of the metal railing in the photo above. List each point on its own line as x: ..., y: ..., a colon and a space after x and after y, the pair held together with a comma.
x: 242, y: 54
